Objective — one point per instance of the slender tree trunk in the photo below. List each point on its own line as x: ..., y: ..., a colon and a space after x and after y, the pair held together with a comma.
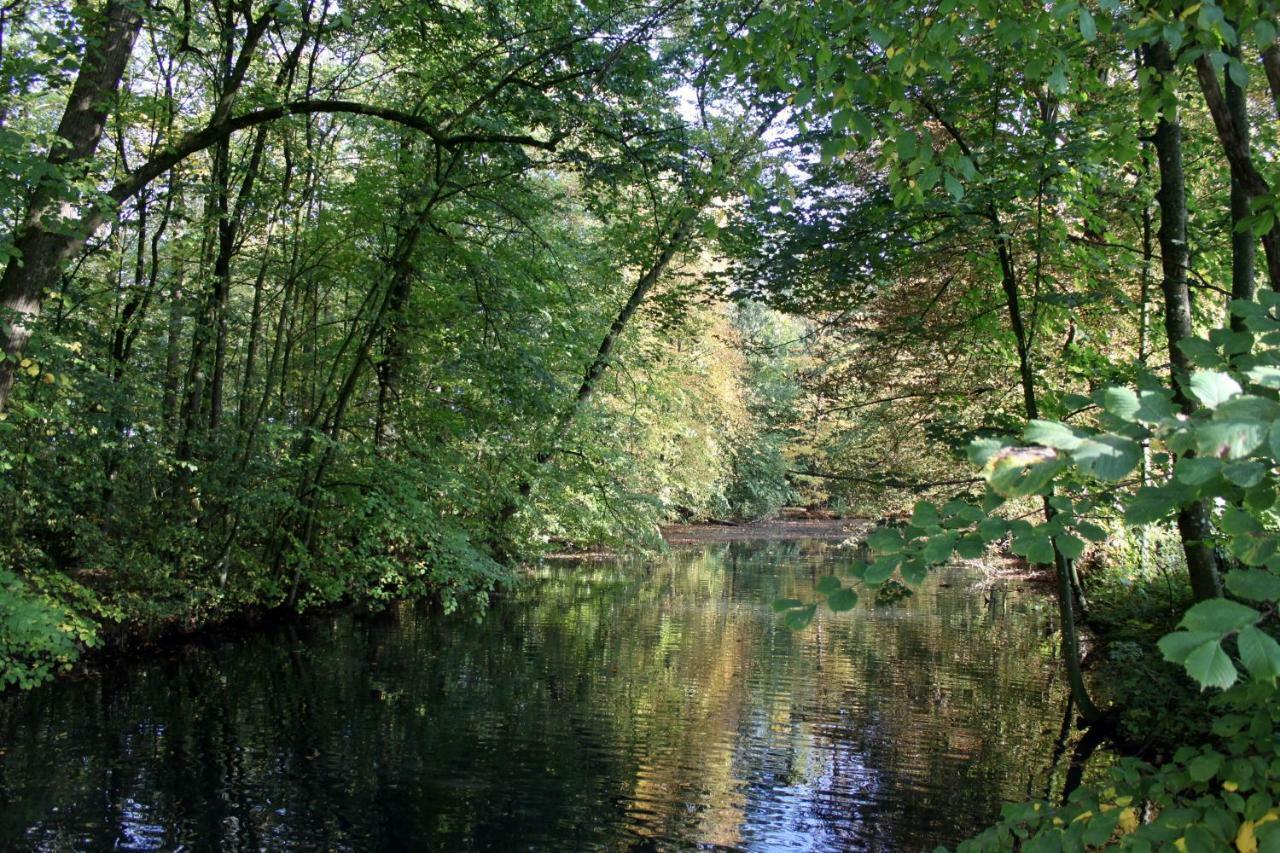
x: 402, y: 273
x: 1026, y: 372
x: 172, y: 353
x: 1193, y: 520
x: 1064, y: 570
x: 42, y: 244
x: 1245, y: 177
x: 1243, y: 244
x: 1144, y: 347
x: 674, y: 243
x: 1271, y: 64
x: 395, y: 340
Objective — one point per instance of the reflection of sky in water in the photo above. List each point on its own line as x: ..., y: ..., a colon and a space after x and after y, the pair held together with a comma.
x: 136, y: 833
x: 643, y: 706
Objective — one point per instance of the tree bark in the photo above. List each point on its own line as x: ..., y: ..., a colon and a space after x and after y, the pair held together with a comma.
x: 1243, y: 244
x: 42, y: 244
x: 1193, y: 520
x: 1245, y: 177
x: 1271, y: 65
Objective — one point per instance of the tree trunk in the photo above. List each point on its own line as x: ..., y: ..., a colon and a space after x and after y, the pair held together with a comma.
x: 1243, y: 244
x: 1271, y: 64
x: 42, y: 245
x: 1026, y: 373
x: 1245, y: 177
x: 1193, y: 520
x: 596, y: 368
x: 1065, y: 571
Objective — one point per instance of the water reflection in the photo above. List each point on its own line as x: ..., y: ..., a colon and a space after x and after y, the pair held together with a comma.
x: 616, y: 706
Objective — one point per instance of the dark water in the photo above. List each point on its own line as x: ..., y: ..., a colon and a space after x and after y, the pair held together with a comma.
x: 619, y: 706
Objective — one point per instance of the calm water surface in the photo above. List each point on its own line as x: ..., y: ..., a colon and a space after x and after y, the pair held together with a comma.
x: 628, y: 706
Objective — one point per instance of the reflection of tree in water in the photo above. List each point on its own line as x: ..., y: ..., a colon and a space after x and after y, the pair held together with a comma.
x: 639, y: 702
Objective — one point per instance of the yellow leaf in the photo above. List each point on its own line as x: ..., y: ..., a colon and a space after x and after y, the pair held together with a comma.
x: 1128, y: 820
x: 1246, y: 842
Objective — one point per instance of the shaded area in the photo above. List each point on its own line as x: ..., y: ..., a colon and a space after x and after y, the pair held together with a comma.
x: 832, y: 529
x: 622, y: 705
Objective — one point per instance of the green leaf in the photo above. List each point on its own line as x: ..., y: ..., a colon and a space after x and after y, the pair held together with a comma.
x: 914, y: 572
x: 1196, y: 470
x: 885, y: 540
x: 1210, y: 666
x: 1121, y: 402
x: 1253, y: 549
x: 1264, y: 33
x: 1071, y: 547
x: 1245, y: 473
x: 1204, y: 767
x: 1247, y: 407
x: 1150, y: 504
x: 1200, y: 352
x: 992, y: 529
x: 1052, y: 434
x: 827, y: 585
x: 881, y: 570
x: 1088, y: 29
x: 843, y: 600
x: 1154, y: 406
x: 1021, y: 471
x: 1090, y: 531
x: 1253, y: 584
x: 1261, y: 497
x: 1107, y: 457
x: 1035, y: 546
x: 1229, y: 439
x: 1238, y: 73
x: 970, y: 548
x: 1231, y: 342
x: 1265, y: 375
x: 939, y: 548
x: 1213, y: 388
x: 1179, y: 645
x: 1057, y: 81
x: 1219, y: 615
x: 925, y: 515
x: 1275, y: 439
x: 798, y: 620
x: 1236, y: 522
x: 1259, y: 653
x: 981, y: 450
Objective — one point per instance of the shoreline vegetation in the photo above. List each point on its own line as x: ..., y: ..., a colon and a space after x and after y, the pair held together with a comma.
x: 124, y: 646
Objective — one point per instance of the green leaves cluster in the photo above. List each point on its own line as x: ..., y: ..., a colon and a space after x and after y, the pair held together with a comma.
x: 39, y: 639
x: 1222, y: 445
x: 1219, y: 797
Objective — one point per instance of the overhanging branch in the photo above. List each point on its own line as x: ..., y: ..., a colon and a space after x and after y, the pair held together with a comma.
x: 198, y: 140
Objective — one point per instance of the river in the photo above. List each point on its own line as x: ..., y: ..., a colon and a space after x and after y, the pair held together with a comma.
x: 624, y: 705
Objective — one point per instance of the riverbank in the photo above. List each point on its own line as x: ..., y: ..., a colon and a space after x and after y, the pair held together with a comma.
x: 823, y: 529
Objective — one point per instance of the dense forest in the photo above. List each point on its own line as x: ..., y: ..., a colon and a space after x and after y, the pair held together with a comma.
x: 309, y: 303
